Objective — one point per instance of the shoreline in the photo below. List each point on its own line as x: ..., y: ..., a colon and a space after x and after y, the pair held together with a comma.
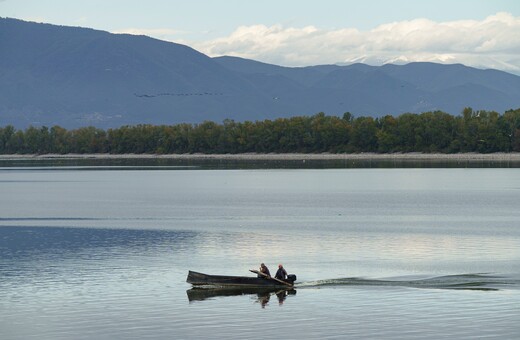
x: 515, y: 156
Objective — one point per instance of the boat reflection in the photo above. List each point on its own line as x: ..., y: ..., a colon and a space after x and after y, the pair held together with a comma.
x: 263, y: 299
x: 263, y: 294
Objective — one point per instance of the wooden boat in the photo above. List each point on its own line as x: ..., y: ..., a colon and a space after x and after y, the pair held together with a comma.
x: 200, y: 279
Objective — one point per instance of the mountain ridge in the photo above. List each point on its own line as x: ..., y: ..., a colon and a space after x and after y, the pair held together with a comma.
x: 73, y: 76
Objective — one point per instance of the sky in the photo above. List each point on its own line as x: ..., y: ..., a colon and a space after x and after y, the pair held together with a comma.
x: 478, y: 33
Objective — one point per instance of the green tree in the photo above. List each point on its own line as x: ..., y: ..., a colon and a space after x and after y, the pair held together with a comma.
x: 364, y: 134
x: 60, y: 140
x: 407, y: 126
x: 387, y: 134
x: 435, y: 132
x: 36, y: 140
x: 88, y: 140
x: 6, y: 135
x: 511, y: 129
x: 472, y: 131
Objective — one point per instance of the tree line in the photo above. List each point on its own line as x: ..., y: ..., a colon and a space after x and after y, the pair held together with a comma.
x: 472, y: 131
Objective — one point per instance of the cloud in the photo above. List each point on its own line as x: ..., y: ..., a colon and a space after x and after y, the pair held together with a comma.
x: 490, y: 43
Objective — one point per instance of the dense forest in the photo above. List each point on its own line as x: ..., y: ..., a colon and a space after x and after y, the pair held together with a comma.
x: 472, y: 131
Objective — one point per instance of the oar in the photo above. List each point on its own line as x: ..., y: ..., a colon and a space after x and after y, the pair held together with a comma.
x: 270, y: 277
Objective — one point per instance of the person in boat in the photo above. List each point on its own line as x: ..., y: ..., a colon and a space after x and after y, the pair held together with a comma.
x: 281, y: 273
x: 265, y: 270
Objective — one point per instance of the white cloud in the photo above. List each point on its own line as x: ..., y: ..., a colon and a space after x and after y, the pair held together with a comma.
x: 491, y: 43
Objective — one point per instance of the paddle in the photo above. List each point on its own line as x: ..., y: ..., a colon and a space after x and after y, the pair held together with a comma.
x: 270, y: 277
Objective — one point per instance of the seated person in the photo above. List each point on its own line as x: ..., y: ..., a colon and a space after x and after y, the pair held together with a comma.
x: 265, y: 270
x: 281, y: 274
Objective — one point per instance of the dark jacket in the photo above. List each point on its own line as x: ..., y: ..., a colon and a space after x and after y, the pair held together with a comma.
x: 264, y: 270
x: 281, y: 274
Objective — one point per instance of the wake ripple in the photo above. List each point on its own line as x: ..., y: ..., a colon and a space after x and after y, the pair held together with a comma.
x: 484, y: 282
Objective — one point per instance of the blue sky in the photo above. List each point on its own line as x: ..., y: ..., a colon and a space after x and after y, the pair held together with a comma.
x: 478, y: 33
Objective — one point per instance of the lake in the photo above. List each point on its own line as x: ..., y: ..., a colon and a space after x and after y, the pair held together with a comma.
x: 103, y: 251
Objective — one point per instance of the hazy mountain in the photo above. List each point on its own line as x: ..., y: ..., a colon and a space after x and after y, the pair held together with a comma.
x: 68, y: 76
x: 75, y: 76
x: 394, y: 89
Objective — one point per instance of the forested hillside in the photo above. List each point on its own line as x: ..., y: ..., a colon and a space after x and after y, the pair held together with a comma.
x: 75, y: 77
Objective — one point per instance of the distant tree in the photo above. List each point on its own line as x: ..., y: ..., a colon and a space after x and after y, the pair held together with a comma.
x: 348, y: 117
x: 17, y: 142
x: 387, y: 134
x: 6, y: 135
x: 36, y: 140
x: 328, y: 133
x: 88, y: 140
x: 60, y: 141
x: 437, y: 131
x: 511, y: 128
x: 407, y: 126
x: 364, y: 134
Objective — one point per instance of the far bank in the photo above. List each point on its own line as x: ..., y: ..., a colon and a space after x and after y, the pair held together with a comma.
x: 514, y: 156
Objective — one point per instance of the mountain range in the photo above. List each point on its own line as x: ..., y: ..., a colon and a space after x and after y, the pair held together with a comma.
x: 73, y: 77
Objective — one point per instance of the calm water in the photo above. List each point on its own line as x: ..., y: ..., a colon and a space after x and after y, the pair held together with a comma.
x: 98, y: 253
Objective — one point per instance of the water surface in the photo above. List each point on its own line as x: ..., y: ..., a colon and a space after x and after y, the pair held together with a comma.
x: 379, y: 253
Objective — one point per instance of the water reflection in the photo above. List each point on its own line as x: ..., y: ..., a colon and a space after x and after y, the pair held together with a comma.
x: 263, y: 294
x: 23, y: 242
x: 46, y: 256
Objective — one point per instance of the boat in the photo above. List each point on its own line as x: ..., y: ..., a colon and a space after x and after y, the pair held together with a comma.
x: 200, y: 279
